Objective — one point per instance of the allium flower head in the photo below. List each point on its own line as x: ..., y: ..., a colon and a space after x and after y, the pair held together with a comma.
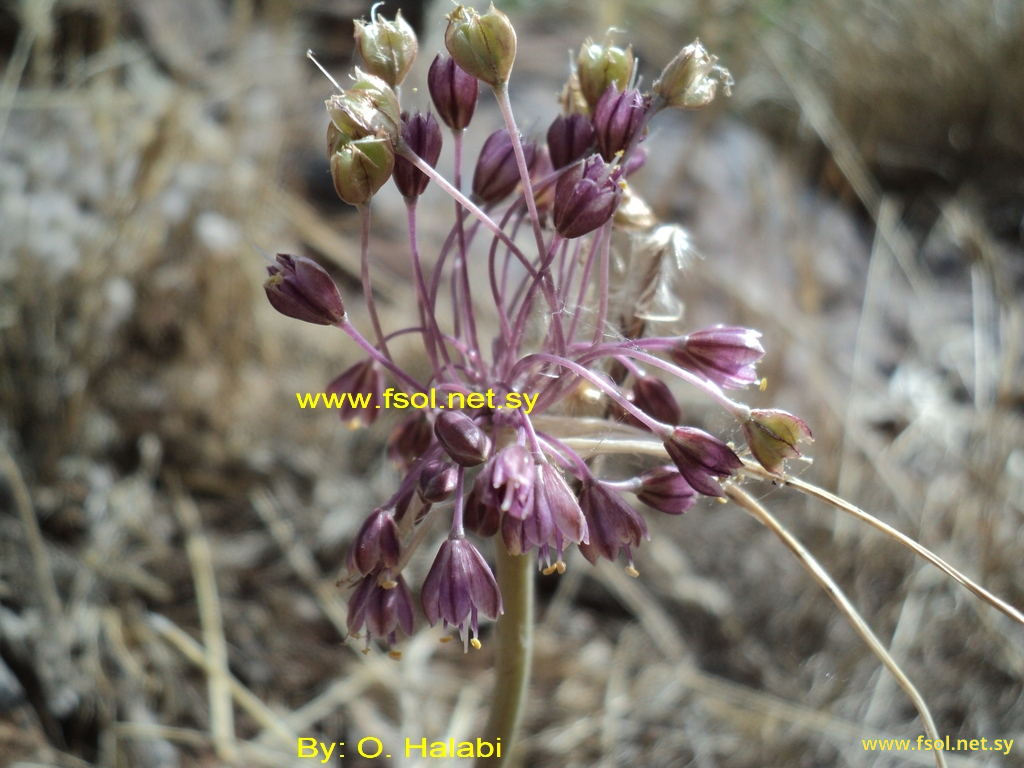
x: 301, y: 288
x: 701, y: 458
x: 459, y: 588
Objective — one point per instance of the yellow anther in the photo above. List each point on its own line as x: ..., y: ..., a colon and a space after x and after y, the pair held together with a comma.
x: 550, y: 569
x: 722, y: 500
x: 560, y: 566
x: 396, y: 655
x: 446, y: 639
x: 389, y: 584
x: 632, y: 571
x: 475, y: 643
x: 366, y: 651
x: 764, y: 384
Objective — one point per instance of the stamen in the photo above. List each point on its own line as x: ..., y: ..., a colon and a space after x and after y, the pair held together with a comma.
x: 446, y: 639
x: 551, y: 569
x: 632, y: 571
x: 476, y: 643
x: 764, y: 384
x: 396, y: 655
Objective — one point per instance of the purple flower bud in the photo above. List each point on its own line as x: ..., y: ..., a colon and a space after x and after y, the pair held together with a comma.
x: 508, y: 481
x: 437, y: 481
x: 358, y: 391
x: 773, y: 436
x: 483, y: 519
x: 460, y: 586
x: 496, y: 173
x: 612, y: 524
x: 454, y: 92
x: 462, y: 438
x: 377, y: 543
x: 410, y: 440
x: 569, y: 138
x: 724, y: 354
x: 701, y: 458
x: 664, y: 489
x: 543, y: 196
x: 423, y: 135
x: 652, y: 396
x: 381, y: 610
x: 586, y: 196
x: 299, y: 287
x: 617, y: 117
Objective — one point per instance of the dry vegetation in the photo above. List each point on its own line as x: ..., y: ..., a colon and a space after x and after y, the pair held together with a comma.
x: 171, y: 525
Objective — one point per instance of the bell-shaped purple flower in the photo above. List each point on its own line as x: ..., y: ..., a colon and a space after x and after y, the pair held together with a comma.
x: 497, y: 173
x: 299, y: 287
x: 586, y: 196
x: 666, y: 490
x: 612, y: 524
x: 437, y: 481
x: 701, y: 458
x: 554, y: 519
x: 454, y: 92
x: 381, y: 610
x: 358, y: 393
x: 726, y: 355
x: 376, y: 544
x: 460, y: 587
x: 569, y: 138
x: 461, y: 438
x: 652, y: 396
x: 617, y: 117
x: 423, y: 136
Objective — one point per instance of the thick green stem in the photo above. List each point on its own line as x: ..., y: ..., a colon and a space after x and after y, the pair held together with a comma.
x: 514, y: 637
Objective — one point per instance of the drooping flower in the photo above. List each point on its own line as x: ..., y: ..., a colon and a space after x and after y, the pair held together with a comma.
x: 586, y: 196
x: 299, y: 287
x: 666, y: 490
x: 422, y: 134
x: 437, y: 481
x: 453, y: 91
x: 359, y: 390
x: 459, y: 588
x: 462, y: 439
x: 701, y: 458
x: 377, y: 544
x: 507, y: 481
x: 569, y: 138
x: 611, y: 523
x: 617, y: 117
x: 727, y: 355
x: 382, y: 610
x: 497, y: 172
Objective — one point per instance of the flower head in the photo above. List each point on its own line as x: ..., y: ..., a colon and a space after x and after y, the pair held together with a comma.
x: 460, y: 587
x: 701, y: 458
x: 301, y: 288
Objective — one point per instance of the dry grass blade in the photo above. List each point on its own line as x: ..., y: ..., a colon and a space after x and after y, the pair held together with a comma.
x: 807, y: 560
x: 222, y: 714
x: 822, y: 495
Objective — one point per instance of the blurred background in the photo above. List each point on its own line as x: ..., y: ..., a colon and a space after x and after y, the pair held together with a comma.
x: 172, y: 525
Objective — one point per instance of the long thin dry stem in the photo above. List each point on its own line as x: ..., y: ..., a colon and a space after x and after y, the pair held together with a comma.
x: 808, y: 561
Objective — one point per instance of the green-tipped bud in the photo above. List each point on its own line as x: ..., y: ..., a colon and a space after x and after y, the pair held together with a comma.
x: 687, y: 80
x: 368, y: 108
x: 773, y: 436
x: 359, y: 168
x: 600, y: 65
x: 484, y: 46
x: 388, y: 48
